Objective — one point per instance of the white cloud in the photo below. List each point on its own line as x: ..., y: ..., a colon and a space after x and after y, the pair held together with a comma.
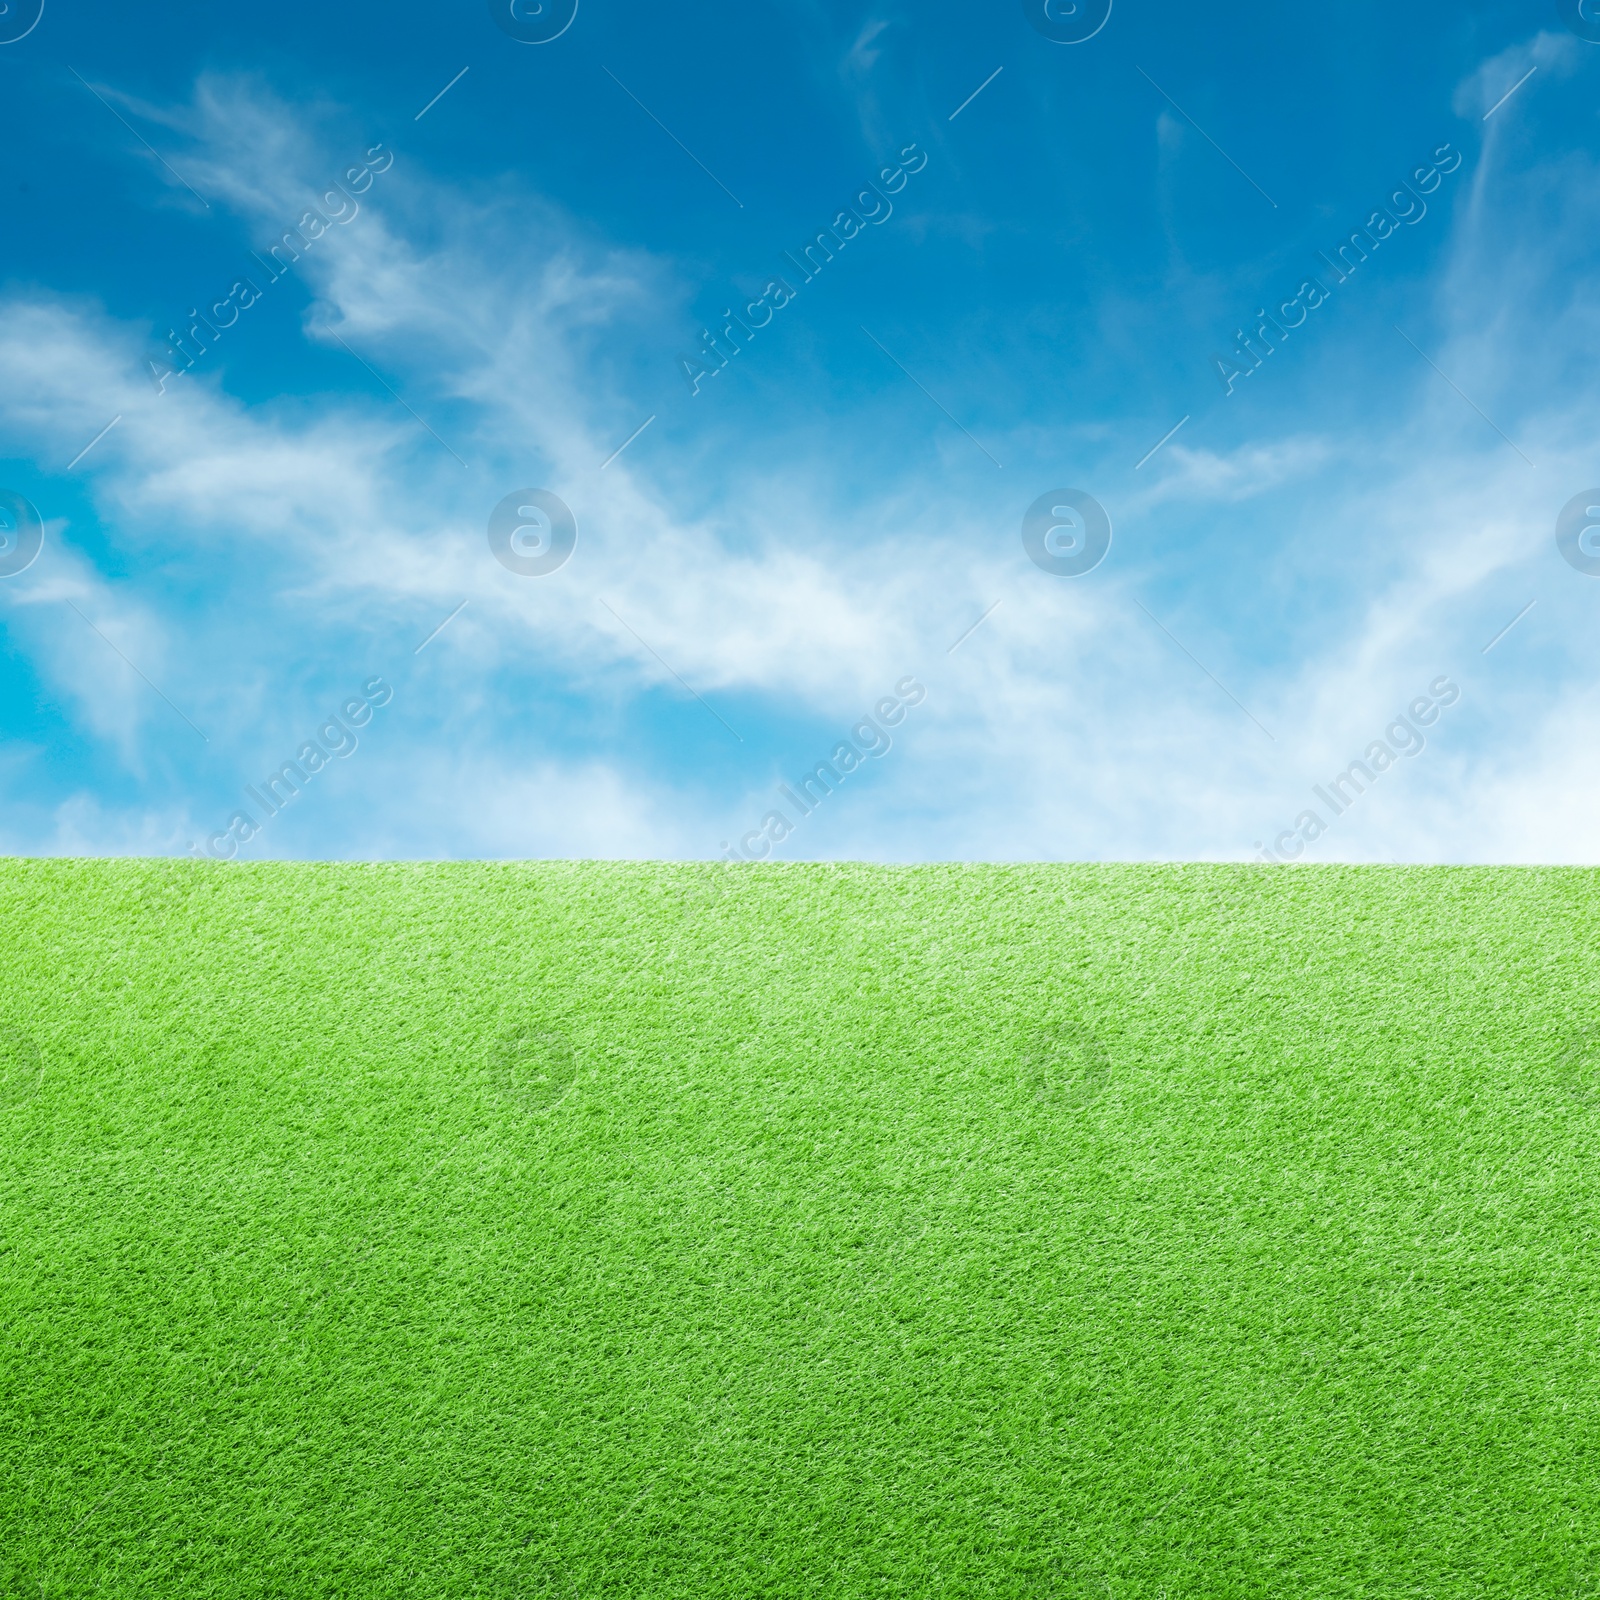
x: 1200, y: 474
x: 1069, y: 725
x: 1483, y: 90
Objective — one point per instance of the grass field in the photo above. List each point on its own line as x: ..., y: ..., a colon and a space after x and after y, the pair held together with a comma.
x: 701, y: 1231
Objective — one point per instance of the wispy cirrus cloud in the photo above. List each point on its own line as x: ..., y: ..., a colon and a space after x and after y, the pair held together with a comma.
x: 778, y: 586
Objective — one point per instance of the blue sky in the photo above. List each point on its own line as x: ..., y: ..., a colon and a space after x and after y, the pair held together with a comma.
x: 1043, y: 256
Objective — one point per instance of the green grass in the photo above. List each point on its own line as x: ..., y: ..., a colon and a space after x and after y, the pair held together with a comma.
x: 837, y: 1231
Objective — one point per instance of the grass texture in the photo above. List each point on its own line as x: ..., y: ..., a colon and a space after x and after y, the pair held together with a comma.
x: 700, y: 1231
